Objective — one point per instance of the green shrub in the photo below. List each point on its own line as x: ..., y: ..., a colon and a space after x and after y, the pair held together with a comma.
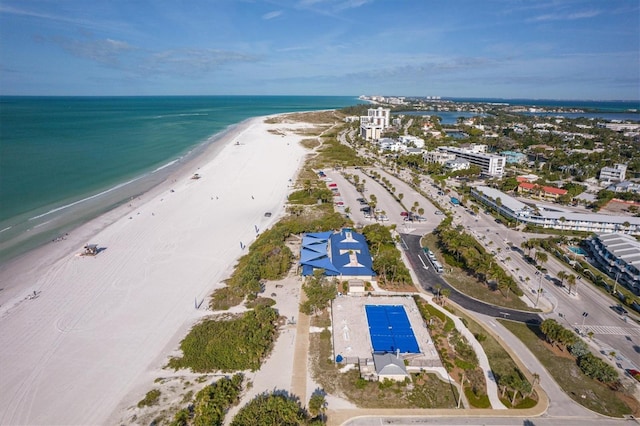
x: 237, y: 344
x: 151, y: 398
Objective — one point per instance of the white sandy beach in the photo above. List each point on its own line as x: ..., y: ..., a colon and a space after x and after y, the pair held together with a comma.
x: 102, y: 326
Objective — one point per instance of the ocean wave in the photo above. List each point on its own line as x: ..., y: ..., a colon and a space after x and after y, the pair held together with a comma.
x: 190, y: 114
x: 169, y: 164
x: 66, y: 206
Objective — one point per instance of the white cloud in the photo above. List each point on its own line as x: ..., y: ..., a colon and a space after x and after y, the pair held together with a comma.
x: 566, y: 16
x: 271, y: 15
x: 123, y: 56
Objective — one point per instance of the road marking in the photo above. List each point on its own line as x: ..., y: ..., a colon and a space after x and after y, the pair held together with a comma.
x: 423, y: 265
x: 612, y: 329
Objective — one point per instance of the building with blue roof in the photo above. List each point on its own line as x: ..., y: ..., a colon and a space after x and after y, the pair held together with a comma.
x: 343, y: 254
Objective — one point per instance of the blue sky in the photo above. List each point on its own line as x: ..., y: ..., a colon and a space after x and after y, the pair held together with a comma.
x: 477, y: 48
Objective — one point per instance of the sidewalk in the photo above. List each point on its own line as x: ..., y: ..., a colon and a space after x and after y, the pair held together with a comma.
x: 483, y: 361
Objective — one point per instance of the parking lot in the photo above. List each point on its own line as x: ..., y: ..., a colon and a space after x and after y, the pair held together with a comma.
x: 388, y: 210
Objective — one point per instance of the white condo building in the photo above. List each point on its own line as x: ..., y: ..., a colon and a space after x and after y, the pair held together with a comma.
x: 372, y: 124
x: 616, y: 173
x: 491, y: 165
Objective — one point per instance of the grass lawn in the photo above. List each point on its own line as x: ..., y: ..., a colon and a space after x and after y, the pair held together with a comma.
x: 585, y: 391
x: 470, y: 286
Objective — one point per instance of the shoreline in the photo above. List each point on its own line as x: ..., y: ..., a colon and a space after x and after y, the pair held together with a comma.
x: 76, y: 232
x: 116, y: 317
x: 53, y: 222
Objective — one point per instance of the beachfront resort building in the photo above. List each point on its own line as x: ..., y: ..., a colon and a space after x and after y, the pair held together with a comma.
x: 554, y: 217
x: 344, y: 255
x: 616, y: 173
x: 617, y: 255
x: 491, y: 165
x: 372, y: 124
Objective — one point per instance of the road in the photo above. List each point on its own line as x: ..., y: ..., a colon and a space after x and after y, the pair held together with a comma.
x: 612, y: 332
x: 428, y: 279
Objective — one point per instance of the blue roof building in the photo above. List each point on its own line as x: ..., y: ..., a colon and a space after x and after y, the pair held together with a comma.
x: 344, y: 254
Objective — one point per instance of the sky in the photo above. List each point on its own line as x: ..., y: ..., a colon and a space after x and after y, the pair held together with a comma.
x: 543, y: 49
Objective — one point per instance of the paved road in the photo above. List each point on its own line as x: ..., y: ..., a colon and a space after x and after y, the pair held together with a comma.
x: 484, y: 421
x: 428, y: 279
x: 613, y: 332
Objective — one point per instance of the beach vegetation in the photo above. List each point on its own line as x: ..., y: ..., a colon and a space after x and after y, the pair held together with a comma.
x: 211, y: 403
x: 276, y: 408
x: 232, y: 344
x: 269, y: 257
x: 320, y: 291
x: 151, y: 398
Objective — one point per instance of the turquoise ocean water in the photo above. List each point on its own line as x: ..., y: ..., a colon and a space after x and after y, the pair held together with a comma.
x: 64, y: 160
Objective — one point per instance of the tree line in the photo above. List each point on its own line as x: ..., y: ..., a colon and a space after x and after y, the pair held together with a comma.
x: 565, y: 339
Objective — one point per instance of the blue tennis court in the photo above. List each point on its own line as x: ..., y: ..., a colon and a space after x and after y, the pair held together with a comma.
x: 390, y: 329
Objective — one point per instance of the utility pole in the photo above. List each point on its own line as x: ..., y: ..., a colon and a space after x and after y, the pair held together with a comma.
x: 615, y: 285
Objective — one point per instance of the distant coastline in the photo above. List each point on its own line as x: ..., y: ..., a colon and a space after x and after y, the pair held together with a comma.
x: 586, y: 105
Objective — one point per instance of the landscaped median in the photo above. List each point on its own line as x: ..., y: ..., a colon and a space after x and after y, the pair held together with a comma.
x: 607, y: 399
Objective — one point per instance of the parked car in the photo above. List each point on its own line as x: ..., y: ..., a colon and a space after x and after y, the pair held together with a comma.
x: 404, y: 213
x: 619, y: 309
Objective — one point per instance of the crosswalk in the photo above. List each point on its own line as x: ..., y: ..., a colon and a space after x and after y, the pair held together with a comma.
x: 612, y: 329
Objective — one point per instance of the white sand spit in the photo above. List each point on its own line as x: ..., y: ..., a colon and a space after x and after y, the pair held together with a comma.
x: 103, y: 326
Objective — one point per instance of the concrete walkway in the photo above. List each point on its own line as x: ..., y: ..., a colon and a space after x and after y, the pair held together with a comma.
x: 300, y: 356
x: 559, y: 403
x: 483, y: 361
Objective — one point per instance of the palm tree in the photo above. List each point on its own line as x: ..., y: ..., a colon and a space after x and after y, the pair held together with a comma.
x: 307, y: 186
x: 571, y: 281
x: 541, y: 257
x: 499, y: 204
x: 446, y: 292
x: 562, y: 275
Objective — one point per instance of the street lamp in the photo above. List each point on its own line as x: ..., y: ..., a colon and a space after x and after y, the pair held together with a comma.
x: 615, y: 285
x: 539, y: 288
x: 584, y: 316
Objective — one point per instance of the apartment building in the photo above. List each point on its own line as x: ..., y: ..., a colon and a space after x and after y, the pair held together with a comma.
x: 616, y: 173
x: 618, y: 255
x: 557, y: 218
